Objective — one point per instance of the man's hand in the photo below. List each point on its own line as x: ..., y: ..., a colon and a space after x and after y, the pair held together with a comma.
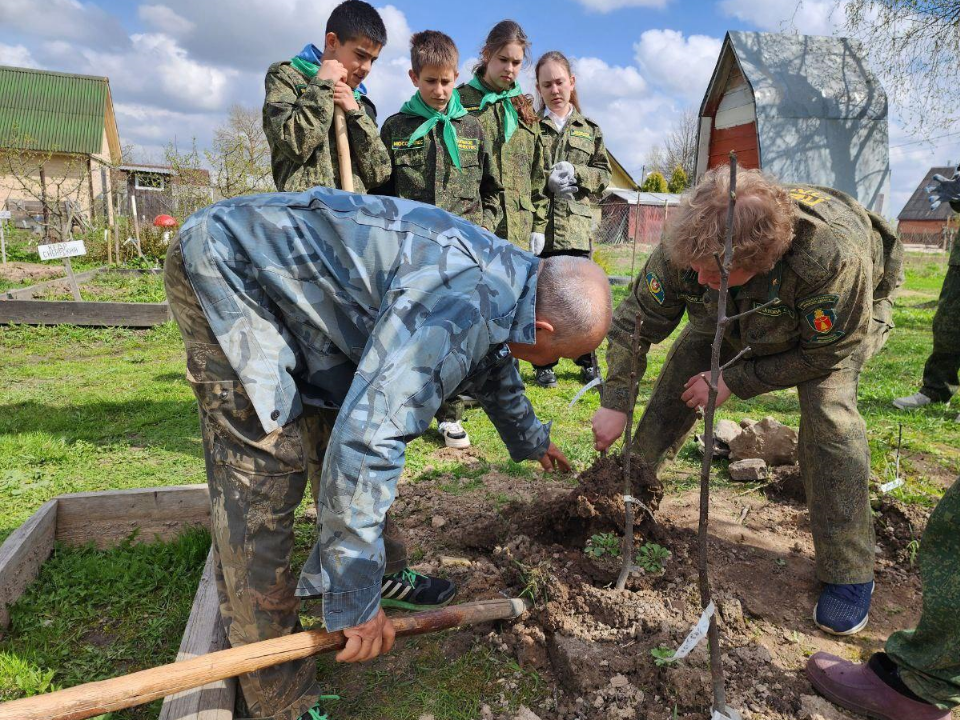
x: 553, y: 459
x: 343, y: 97
x: 332, y: 70
x: 695, y: 396
x: 365, y: 642
x: 608, y: 425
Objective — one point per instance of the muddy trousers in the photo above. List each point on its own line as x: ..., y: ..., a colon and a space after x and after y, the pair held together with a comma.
x: 929, y: 656
x: 940, y: 380
x: 257, y: 480
x: 833, y: 452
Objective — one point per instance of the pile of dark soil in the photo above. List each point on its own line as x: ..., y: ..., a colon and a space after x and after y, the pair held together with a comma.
x: 593, y: 643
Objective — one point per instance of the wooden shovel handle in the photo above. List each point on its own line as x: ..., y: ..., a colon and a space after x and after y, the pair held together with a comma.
x: 96, y: 698
x: 343, y: 149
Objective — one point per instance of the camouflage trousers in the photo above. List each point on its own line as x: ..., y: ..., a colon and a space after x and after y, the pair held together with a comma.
x: 833, y: 452
x: 929, y: 656
x: 257, y: 480
x: 940, y: 380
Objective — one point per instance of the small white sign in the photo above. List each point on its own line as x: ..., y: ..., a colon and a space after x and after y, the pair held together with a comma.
x: 58, y: 251
x: 5, y: 215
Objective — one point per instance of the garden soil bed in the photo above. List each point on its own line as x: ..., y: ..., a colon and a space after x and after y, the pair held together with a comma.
x: 591, y: 643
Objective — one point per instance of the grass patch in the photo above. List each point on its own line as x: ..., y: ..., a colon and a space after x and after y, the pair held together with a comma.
x: 93, y: 614
x: 111, y: 286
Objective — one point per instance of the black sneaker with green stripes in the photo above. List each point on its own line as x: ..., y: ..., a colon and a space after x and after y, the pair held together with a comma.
x: 316, y: 712
x: 410, y: 590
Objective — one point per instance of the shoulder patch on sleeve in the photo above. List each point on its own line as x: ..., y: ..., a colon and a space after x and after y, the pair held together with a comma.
x: 818, y: 300
x: 808, y: 197
x: 655, y: 287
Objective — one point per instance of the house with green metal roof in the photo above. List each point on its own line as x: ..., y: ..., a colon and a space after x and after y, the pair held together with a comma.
x: 58, y: 140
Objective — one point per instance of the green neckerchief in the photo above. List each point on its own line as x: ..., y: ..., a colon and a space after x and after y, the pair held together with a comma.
x: 510, y: 118
x: 309, y: 71
x: 417, y: 107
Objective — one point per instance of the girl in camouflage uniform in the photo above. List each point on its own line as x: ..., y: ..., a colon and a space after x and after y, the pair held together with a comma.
x: 578, y: 173
x: 512, y: 129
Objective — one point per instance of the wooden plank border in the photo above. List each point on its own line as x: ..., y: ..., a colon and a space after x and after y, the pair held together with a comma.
x: 204, y: 634
x: 108, y: 517
x: 90, y: 314
x: 22, y: 554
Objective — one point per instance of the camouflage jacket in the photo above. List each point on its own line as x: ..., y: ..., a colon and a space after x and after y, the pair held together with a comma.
x: 519, y: 165
x: 381, y: 308
x: 838, y: 278
x: 424, y: 171
x: 955, y: 252
x: 570, y: 223
x: 298, y: 122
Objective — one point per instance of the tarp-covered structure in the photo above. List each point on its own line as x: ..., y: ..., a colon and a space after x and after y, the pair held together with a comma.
x: 803, y: 108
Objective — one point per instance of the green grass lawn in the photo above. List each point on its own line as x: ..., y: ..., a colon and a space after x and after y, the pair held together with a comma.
x: 86, y: 409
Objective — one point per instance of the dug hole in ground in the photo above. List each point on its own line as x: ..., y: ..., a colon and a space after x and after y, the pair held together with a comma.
x: 592, y: 644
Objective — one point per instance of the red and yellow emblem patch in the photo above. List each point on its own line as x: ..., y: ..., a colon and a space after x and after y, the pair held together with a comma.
x: 821, y: 320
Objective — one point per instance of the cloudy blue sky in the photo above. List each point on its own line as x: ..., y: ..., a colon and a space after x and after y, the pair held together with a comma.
x: 176, y: 66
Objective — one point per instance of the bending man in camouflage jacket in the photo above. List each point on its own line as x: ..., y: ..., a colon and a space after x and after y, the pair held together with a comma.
x: 377, y: 309
x: 833, y: 269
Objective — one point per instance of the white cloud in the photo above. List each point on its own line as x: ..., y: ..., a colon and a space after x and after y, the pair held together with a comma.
x: 63, y: 20
x: 596, y: 78
x: 813, y: 17
x: 17, y: 56
x: 679, y: 65
x: 605, y: 6
x: 165, y: 20
x: 155, y: 70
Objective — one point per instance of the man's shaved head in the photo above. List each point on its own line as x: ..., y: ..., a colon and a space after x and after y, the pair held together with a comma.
x: 574, y: 309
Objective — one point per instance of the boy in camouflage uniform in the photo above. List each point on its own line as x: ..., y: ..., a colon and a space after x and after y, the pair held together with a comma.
x: 940, y: 374
x: 301, y: 94
x: 439, y: 156
x: 918, y: 677
x: 833, y: 268
x: 373, y: 310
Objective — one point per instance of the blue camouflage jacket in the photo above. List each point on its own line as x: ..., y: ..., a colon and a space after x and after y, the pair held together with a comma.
x: 379, y: 307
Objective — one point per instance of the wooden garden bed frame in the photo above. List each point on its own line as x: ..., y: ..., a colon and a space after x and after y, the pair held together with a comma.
x: 19, y: 307
x: 107, y: 518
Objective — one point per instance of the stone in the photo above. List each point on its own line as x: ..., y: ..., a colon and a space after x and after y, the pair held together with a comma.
x: 767, y: 440
x: 449, y: 561
x: 726, y: 430
x: 437, y: 522
x: 813, y: 707
x: 525, y: 713
x: 619, y: 681
x: 752, y: 470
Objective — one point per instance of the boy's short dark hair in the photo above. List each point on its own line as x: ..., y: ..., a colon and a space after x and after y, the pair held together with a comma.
x: 432, y: 47
x: 355, y: 19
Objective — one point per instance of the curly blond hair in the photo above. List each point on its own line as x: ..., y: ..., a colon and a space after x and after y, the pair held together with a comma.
x: 762, y: 221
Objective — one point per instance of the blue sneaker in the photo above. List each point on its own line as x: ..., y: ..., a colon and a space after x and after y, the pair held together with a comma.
x: 843, y: 609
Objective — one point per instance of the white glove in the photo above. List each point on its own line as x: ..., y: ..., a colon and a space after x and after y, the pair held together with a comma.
x: 944, y: 190
x: 561, y: 175
x: 537, y: 241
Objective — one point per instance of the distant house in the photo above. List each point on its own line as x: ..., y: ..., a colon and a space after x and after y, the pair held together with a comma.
x: 160, y: 190
x: 619, y: 177
x: 805, y: 109
x: 628, y: 216
x: 64, y: 123
x: 918, y: 223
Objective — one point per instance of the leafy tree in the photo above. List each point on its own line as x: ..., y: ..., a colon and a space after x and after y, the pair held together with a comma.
x: 678, y: 181
x: 655, y: 182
